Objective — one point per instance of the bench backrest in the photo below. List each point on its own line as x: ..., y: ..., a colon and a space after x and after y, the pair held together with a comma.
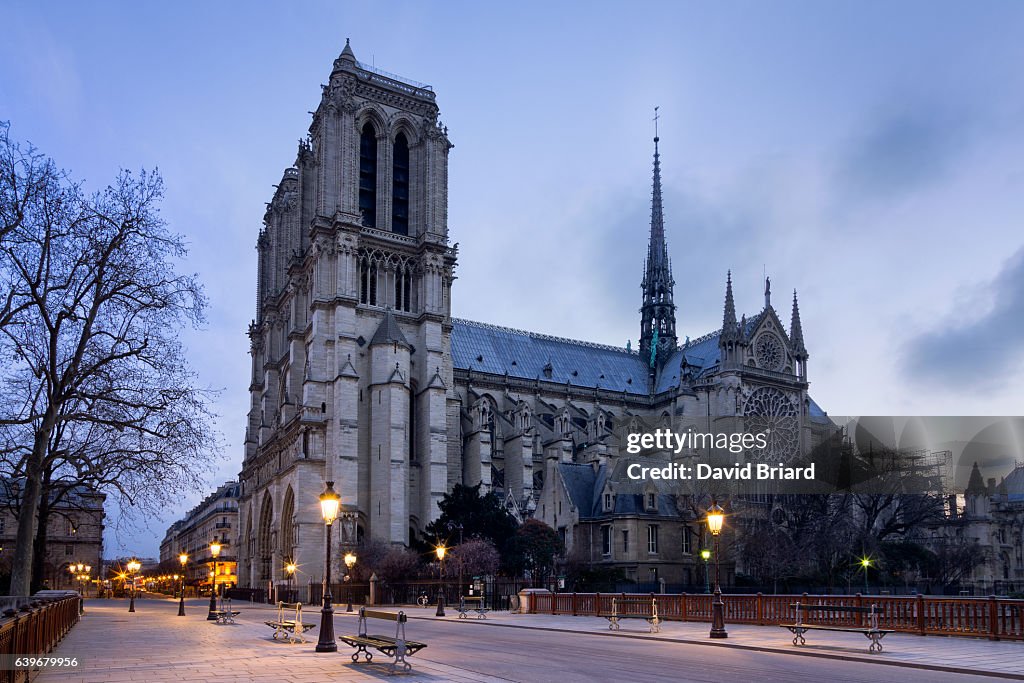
x: 289, y: 609
x: 374, y: 614
x: 873, y: 609
x: 873, y: 612
x: 635, y: 604
x: 399, y: 619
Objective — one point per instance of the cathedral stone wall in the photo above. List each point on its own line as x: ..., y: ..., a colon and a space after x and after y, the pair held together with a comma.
x: 361, y: 377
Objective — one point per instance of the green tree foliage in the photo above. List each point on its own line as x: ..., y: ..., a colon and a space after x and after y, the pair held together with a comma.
x: 537, y: 545
x: 480, y: 516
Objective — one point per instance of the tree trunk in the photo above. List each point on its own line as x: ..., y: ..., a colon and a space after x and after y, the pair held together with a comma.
x: 42, y: 527
x: 21, y: 565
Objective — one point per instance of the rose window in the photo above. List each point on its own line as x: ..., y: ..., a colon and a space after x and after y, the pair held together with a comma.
x: 769, y: 352
x: 771, y: 412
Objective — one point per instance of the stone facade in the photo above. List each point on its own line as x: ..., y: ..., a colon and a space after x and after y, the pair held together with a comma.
x: 992, y: 517
x: 74, y: 534
x: 215, y: 518
x: 360, y: 375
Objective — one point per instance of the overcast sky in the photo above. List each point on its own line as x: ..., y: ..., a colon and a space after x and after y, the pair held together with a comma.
x: 870, y: 155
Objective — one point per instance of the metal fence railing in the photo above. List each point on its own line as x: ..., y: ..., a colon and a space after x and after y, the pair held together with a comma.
x: 34, y: 626
x: 991, y: 617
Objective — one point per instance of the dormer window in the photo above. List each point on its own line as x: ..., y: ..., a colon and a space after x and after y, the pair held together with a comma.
x: 608, y: 501
x: 651, y: 502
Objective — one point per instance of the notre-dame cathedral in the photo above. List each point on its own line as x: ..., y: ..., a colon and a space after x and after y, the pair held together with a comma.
x: 361, y: 376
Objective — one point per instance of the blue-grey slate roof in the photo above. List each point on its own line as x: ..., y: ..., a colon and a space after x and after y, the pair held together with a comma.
x: 1014, y: 483
x: 497, y: 350
x: 525, y: 355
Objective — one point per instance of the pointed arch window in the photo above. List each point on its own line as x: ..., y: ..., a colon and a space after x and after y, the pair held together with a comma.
x: 400, y: 186
x: 368, y: 175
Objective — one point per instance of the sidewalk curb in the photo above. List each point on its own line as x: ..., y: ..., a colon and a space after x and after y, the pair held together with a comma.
x: 848, y: 657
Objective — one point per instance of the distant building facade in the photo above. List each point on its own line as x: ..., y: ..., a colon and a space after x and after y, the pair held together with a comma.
x: 215, y: 518
x: 361, y: 376
x: 74, y: 533
x: 993, y: 517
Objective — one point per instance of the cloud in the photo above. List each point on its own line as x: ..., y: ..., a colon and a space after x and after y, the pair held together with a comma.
x: 902, y: 151
x: 983, y: 353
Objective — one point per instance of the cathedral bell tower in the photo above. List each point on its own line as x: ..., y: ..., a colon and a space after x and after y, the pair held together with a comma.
x: 658, y: 312
x: 351, y: 346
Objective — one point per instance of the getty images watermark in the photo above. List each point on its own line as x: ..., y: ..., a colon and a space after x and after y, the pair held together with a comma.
x: 667, y: 440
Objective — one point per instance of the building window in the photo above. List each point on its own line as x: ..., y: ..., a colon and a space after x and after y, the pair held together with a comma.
x: 651, y: 502
x: 72, y: 528
x: 69, y: 550
x: 625, y: 540
x: 368, y: 175
x: 607, y: 501
x: 367, y: 282
x: 400, y: 186
x: 403, y: 288
x: 652, y: 539
x: 606, y: 540
x: 687, y: 548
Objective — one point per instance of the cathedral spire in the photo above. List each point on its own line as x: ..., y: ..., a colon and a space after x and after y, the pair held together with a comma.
x: 729, y: 329
x: 796, y: 330
x: 657, y: 313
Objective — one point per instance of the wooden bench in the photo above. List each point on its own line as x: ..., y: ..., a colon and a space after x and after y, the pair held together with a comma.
x: 472, y: 603
x: 289, y: 624
x: 397, y: 647
x: 226, y: 615
x: 871, y: 631
x: 633, y: 606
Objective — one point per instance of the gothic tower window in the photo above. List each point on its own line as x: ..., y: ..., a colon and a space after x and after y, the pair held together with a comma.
x: 367, y: 281
x: 400, y: 186
x: 368, y: 175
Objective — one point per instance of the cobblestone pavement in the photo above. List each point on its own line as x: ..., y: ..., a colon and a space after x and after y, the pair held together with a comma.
x: 154, y: 644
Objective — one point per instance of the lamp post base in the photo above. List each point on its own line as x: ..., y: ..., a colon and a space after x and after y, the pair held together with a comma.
x: 440, y: 605
x: 212, y: 616
x: 181, y: 605
x: 718, y: 616
x: 327, y: 643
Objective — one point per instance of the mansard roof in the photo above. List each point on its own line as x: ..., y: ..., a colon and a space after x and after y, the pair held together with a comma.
x: 526, y: 355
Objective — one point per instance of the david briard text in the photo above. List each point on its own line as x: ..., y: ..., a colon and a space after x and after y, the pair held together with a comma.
x: 738, y: 472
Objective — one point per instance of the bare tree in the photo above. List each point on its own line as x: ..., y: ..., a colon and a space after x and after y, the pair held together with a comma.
x: 474, y: 557
x: 98, y: 390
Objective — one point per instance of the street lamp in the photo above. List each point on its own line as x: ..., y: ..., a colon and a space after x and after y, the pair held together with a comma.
x: 133, y: 566
x: 440, y: 550
x: 214, y: 551
x: 330, y: 501
x: 716, y: 516
x: 350, y: 560
x: 706, y: 555
x: 865, y: 562
x: 183, y: 558
x: 289, y: 569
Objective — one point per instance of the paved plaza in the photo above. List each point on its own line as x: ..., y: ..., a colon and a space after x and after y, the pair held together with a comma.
x: 154, y: 644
